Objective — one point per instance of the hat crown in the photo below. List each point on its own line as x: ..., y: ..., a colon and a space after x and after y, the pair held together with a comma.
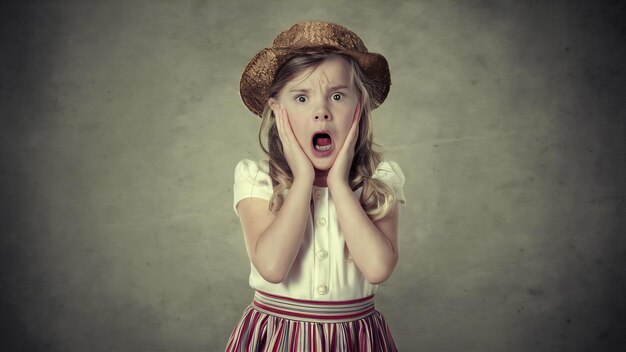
x: 319, y: 34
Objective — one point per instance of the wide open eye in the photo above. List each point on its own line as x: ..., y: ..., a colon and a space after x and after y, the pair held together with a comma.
x: 337, y: 96
x: 301, y: 99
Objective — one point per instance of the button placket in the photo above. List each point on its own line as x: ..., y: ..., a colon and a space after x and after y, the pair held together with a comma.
x: 322, y: 264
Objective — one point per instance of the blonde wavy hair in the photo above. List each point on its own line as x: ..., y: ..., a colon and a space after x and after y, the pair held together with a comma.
x: 377, y: 199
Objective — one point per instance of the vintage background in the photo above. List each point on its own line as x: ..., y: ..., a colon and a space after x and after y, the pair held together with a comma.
x: 122, y: 124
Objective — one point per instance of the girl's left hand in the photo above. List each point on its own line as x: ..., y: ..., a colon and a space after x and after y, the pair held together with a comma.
x: 340, y: 171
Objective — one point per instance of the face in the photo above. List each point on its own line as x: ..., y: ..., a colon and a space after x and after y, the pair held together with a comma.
x: 321, y: 106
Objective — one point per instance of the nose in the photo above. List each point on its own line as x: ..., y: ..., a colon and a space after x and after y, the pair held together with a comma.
x: 321, y: 112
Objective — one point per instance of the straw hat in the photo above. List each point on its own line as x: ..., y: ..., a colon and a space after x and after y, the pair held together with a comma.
x: 310, y: 37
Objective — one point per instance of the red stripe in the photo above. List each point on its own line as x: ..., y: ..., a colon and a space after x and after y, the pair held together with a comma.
x: 255, y: 318
x: 313, y: 339
x: 277, y: 343
x: 294, y: 334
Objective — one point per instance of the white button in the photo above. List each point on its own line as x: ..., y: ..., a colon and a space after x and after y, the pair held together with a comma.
x: 319, y: 194
x: 321, y: 221
x: 322, y: 289
x: 322, y: 254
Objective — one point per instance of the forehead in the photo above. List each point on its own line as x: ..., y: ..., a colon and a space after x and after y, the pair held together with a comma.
x: 331, y: 71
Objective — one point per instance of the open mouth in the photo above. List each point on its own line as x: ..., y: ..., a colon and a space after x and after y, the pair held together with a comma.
x: 322, y: 142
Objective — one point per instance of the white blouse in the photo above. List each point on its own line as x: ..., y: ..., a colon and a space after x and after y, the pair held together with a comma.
x: 322, y: 269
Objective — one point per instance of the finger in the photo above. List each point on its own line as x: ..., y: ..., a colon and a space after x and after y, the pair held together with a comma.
x: 356, y: 118
x: 284, y: 132
x: 287, y: 127
x: 281, y: 126
x: 357, y: 112
x: 354, y: 132
x: 355, y: 123
x: 277, y: 119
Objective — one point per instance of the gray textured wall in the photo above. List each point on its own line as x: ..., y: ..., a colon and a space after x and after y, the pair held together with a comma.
x: 122, y: 124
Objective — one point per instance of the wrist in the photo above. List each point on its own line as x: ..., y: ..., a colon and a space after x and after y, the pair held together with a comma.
x: 339, y: 187
x: 302, y: 182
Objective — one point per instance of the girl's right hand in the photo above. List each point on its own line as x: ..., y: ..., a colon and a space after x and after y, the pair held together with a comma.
x: 300, y: 165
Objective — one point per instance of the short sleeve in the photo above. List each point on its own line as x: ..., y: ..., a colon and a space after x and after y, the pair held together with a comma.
x: 251, y: 180
x: 390, y: 173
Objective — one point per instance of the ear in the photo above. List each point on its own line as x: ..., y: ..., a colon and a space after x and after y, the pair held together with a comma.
x: 274, y: 104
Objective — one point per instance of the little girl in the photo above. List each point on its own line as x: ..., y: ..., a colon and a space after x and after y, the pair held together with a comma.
x: 320, y: 216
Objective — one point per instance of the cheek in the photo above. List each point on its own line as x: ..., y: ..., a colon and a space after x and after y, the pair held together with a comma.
x: 341, y: 134
x: 346, y: 123
x: 299, y: 130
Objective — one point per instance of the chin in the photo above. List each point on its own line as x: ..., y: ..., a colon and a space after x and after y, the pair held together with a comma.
x: 323, y: 164
x: 322, y: 167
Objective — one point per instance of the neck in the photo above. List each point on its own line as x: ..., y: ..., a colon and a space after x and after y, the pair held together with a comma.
x: 320, y: 178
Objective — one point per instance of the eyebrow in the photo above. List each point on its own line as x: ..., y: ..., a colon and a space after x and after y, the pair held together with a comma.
x: 306, y: 90
x: 339, y: 86
x: 299, y: 90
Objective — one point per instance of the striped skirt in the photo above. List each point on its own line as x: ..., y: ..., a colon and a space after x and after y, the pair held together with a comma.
x: 276, y: 323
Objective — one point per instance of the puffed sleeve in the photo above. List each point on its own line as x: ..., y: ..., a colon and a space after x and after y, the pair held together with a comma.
x: 251, y: 180
x: 390, y: 173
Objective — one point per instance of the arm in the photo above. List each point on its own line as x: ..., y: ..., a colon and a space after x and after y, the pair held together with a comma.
x: 273, y: 241
x: 373, y: 245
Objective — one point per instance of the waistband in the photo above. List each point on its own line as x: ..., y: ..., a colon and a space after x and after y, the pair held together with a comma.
x: 313, y: 311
